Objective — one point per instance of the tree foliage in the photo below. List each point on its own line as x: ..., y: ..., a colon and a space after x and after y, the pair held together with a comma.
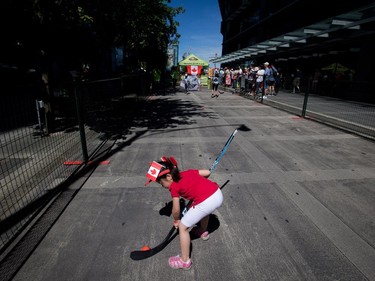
x: 69, y: 31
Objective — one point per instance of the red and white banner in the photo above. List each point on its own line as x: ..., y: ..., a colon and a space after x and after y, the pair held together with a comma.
x: 194, y: 69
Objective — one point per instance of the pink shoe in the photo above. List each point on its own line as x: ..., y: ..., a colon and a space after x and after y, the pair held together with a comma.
x: 177, y: 263
x: 203, y: 235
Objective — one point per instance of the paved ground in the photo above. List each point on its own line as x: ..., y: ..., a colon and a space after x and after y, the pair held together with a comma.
x: 299, y: 204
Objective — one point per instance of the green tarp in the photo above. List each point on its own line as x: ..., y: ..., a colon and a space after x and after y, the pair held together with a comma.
x: 193, y: 60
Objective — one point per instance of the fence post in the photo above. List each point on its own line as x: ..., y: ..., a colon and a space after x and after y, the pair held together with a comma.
x: 81, y: 124
x: 305, y: 100
x: 38, y: 107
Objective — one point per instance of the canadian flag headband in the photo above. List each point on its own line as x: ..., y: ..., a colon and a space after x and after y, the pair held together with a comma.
x: 157, y: 170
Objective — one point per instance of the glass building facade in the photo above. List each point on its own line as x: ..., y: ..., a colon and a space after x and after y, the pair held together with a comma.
x: 301, y: 33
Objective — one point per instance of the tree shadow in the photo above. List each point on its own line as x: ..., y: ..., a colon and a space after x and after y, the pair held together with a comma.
x: 116, y: 117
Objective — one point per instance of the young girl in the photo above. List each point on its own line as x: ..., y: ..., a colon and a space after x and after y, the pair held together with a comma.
x: 192, y: 185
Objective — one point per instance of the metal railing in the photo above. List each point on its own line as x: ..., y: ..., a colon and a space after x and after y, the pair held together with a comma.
x: 344, y: 105
x: 44, y: 143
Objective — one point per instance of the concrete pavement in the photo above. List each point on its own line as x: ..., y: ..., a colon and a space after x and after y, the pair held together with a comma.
x: 299, y: 204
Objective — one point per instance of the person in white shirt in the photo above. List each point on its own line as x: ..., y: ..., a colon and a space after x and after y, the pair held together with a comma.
x: 259, y: 81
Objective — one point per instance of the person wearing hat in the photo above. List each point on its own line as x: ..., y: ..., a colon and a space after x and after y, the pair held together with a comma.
x: 192, y: 185
x: 267, y: 73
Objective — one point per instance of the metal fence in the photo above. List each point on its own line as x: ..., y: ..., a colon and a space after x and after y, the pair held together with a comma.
x: 345, y: 105
x: 41, y: 148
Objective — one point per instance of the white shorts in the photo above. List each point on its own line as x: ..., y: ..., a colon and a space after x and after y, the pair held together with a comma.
x: 205, y: 208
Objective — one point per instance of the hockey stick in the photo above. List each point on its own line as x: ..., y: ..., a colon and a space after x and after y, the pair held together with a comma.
x: 141, y: 255
x: 223, y: 151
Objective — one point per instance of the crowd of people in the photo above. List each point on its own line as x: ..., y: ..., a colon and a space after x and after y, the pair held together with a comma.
x: 261, y: 80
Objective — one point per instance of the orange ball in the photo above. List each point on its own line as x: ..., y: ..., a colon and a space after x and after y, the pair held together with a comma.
x: 145, y: 248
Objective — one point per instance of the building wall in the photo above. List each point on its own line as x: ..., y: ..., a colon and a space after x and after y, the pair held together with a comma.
x: 246, y: 23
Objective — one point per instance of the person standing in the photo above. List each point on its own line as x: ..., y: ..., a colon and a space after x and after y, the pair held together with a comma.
x: 215, y: 85
x: 228, y: 78
x: 297, y: 80
x: 267, y: 72
x: 271, y: 79
x: 252, y: 79
x: 234, y: 78
x: 239, y: 78
x: 221, y: 76
x: 259, y: 86
x: 186, y: 82
x: 155, y: 79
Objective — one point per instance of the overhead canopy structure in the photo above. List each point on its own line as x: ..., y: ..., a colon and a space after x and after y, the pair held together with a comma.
x: 193, y: 60
x: 303, y: 42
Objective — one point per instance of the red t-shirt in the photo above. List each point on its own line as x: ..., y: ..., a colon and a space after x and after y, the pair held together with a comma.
x: 193, y: 186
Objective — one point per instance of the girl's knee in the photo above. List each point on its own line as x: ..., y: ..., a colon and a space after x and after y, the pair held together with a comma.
x: 182, y: 227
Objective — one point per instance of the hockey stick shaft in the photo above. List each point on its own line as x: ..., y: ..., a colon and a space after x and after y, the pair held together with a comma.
x: 217, y: 160
x: 213, y: 166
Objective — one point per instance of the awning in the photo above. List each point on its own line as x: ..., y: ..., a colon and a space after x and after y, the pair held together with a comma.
x: 193, y: 60
x: 337, y: 28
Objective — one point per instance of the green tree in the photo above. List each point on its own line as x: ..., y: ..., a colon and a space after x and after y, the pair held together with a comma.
x: 144, y: 28
x: 69, y: 31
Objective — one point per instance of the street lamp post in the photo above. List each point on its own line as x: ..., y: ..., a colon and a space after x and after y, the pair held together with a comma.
x: 215, y: 57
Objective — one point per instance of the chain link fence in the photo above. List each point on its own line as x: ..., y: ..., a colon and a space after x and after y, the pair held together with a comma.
x: 43, y: 143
